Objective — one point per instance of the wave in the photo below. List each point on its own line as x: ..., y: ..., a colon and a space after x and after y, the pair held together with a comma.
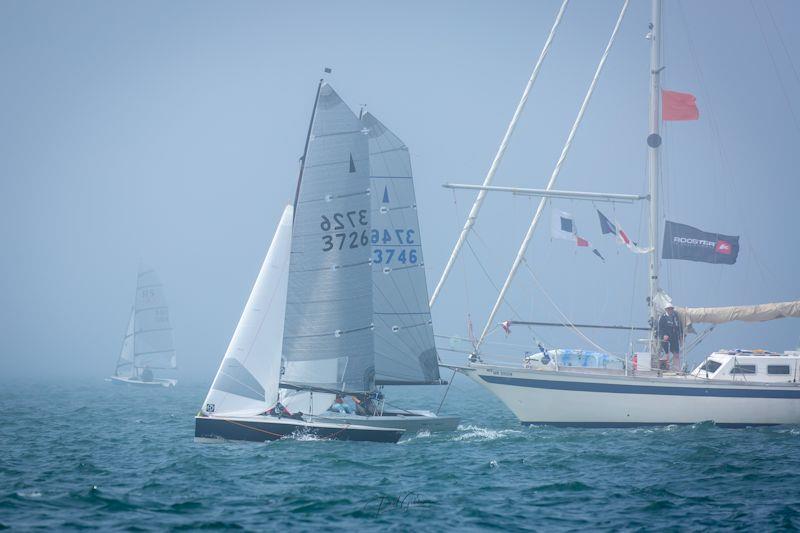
x: 480, y: 433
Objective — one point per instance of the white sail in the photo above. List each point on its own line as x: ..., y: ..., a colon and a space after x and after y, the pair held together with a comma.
x: 247, y: 379
x: 327, y: 340
x: 152, y: 341
x: 404, y: 347
x: 125, y: 361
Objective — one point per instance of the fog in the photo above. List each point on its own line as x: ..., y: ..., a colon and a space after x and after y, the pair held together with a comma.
x: 169, y: 133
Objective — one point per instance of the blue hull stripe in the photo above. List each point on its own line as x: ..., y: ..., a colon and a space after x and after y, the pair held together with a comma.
x: 635, y: 424
x: 583, y: 386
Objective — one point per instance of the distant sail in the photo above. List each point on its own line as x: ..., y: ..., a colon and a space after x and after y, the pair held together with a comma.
x: 152, y: 342
x: 247, y: 380
x: 404, y: 347
x: 125, y: 361
x: 327, y: 341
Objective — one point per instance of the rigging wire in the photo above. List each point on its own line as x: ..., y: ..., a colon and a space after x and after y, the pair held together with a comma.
x: 567, y: 321
x: 775, y: 66
x: 715, y: 131
x: 476, y: 207
x: 556, y: 171
x: 783, y: 44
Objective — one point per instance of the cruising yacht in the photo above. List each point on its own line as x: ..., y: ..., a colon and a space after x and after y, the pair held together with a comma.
x: 730, y: 387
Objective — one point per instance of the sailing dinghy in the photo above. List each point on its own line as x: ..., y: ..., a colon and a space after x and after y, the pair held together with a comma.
x: 147, y: 344
x: 326, y: 321
x: 732, y: 388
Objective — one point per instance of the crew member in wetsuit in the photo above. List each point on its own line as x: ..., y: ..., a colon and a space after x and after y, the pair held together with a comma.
x: 364, y: 405
x: 281, y: 411
x: 670, y: 332
x: 339, y: 406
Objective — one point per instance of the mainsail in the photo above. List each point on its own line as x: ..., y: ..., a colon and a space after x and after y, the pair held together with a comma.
x: 248, y: 377
x: 125, y: 361
x: 328, y: 339
x: 152, y: 338
x: 404, y: 346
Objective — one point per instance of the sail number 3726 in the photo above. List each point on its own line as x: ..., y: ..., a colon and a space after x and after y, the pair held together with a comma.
x: 345, y: 230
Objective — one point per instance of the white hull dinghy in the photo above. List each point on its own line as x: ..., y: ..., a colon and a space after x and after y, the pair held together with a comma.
x: 148, y: 344
x: 731, y: 388
x: 339, y: 307
x: 134, y: 381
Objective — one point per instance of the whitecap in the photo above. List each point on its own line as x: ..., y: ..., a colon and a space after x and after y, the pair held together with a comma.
x: 479, y: 433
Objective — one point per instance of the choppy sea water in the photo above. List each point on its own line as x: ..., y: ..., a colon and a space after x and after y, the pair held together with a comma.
x: 90, y: 454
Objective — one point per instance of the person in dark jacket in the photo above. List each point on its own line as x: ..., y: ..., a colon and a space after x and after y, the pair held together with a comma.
x: 670, y: 332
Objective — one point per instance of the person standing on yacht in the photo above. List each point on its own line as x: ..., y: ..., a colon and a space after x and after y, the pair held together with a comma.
x: 670, y: 331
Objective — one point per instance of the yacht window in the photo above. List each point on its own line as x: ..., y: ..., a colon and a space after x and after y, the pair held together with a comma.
x: 743, y: 369
x: 778, y: 369
x: 710, y: 366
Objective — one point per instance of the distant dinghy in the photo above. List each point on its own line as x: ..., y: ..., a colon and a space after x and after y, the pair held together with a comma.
x: 147, y: 345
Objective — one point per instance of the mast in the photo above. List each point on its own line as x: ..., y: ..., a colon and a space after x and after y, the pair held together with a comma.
x: 305, y: 149
x: 653, y: 164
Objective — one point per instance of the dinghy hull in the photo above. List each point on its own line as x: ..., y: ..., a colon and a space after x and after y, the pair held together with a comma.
x: 156, y: 382
x: 255, y: 429
x: 410, y: 421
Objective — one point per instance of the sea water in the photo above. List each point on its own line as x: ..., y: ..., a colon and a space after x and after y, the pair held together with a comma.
x: 90, y: 454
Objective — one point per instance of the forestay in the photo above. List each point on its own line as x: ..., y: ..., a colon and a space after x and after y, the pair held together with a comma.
x: 328, y: 339
x: 152, y: 341
x: 404, y: 347
x: 247, y: 380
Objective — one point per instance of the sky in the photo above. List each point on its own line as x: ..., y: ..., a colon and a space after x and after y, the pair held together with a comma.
x: 169, y: 133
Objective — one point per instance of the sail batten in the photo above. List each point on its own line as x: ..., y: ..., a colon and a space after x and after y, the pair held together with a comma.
x: 404, y: 345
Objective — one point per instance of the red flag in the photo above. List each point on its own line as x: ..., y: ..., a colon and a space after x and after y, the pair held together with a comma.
x: 678, y: 106
x: 506, y: 327
x: 581, y: 241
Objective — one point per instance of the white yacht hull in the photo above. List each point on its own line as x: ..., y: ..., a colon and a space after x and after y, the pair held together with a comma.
x: 155, y: 382
x: 585, y: 399
x: 411, y: 421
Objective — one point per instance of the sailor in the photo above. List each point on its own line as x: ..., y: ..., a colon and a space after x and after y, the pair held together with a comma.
x: 280, y: 411
x: 339, y: 406
x: 670, y: 332
x: 364, y: 405
x: 147, y: 375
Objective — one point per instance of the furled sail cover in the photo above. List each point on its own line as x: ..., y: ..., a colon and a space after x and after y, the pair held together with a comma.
x: 247, y: 380
x: 125, y: 361
x: 152, y: 340
x: 327, y: 339
x: 404, y: 345
x: 745, y: 313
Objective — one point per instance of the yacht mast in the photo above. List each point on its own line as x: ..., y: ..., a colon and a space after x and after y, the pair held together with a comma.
x: 653, y: 162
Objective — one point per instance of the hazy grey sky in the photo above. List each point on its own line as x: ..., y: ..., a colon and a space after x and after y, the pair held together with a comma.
x: 169, y: 132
